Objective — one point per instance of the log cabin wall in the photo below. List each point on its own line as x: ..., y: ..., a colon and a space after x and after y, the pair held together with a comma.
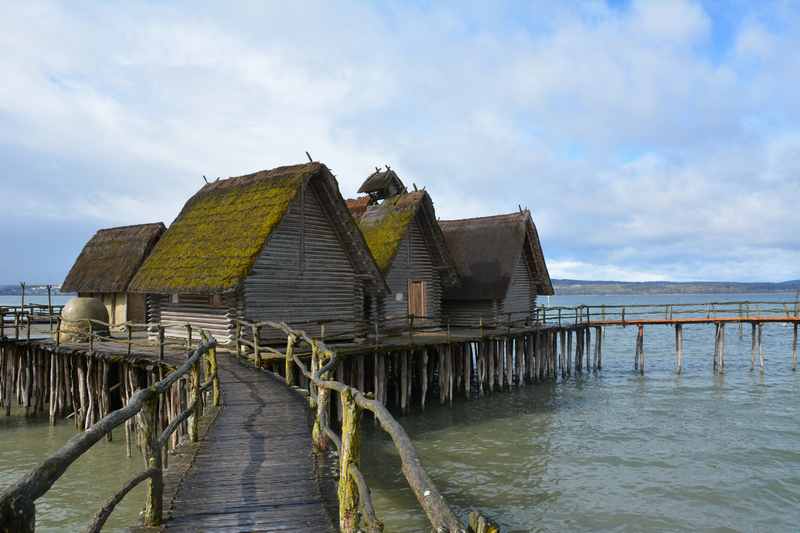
x: 413, y: 261
x: 197, y: 310
x: 304, y: 274
x: 521, y: 294
x: 469, y: 313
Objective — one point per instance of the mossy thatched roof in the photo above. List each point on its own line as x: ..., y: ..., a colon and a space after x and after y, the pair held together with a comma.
x: 385, y: 225
x: 216, y: 238
x: 109, y: 260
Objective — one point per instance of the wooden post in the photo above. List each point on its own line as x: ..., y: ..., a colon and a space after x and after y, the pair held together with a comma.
x: 188, y: 336
x: 640, y: 349
x: 679, y: 348
x: 194, y: 396
x: 599, y: 341
x: 238, y: 338
x: 58, y: 332
x: 214, y: 369
x: 349, y: 456
x: 289, y: 363
x: 318, y: 435
x: 423, y: 377
x: 753, y: 347
x: 129, y: 332
x: 256, y: 353
x: 154, y: 497
x: 794, y: 347
x: 467, y: 369
x: 404, y: 382
x: 160, y: 343
x: 761, y: 347
x: 588, y: 348
x: 18, y: 516
x: 22, y: 296
x: 722, y: 347
x: 50, y: 307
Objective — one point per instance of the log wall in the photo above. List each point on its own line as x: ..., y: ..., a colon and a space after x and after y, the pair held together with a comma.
x: 304, y: 274
x: 413, y: 261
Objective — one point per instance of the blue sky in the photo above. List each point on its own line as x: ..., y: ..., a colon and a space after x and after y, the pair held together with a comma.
x: 652, y: 140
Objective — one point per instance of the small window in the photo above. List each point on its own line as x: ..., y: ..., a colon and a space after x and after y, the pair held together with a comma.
x: 216, y: 300
x: 398, y: 297
x: 174, y: 299
x: 416, y: 298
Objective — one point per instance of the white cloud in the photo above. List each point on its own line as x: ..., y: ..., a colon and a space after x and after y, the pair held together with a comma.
x: 642, y: 153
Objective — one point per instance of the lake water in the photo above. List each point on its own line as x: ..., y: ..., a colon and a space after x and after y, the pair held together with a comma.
x: 612, y: 451
x: 616, y: 451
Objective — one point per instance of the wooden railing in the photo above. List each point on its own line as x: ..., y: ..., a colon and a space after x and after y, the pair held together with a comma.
x: 18, y: 327
x: 356, y: 510
x: 744, y: 310
x: 17, y: 502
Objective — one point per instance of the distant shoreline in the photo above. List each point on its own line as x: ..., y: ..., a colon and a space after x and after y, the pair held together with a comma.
x: 565, y: 287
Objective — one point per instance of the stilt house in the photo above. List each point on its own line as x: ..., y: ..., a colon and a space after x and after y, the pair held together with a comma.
x: 276, y: 245
x: 501, y: 266
x: 106, y: 266
x: 404, y: 237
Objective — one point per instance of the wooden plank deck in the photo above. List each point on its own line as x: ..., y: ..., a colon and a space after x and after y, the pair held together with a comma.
x: 254, y: 471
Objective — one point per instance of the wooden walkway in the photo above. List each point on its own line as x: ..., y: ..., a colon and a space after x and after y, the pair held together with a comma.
x: 254, y: 470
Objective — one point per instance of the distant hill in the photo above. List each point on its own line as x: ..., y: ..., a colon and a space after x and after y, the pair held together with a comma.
x: 574, y: 286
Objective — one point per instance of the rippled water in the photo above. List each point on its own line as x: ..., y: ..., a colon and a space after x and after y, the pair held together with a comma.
x: 73, y: 501
x: 616, y: 451
x: 75, y: 498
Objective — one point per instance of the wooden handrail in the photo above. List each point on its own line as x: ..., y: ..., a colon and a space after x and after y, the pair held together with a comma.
x: 17, y: 502
x: 351, y: 479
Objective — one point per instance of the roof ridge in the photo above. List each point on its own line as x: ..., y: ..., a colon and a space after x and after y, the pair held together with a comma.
x: 488, y: 218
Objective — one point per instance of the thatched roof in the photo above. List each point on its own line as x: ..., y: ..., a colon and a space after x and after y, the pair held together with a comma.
x: 212, y: 245
x: 382, y: 184
x: 485, y: 251
x: 110, y: 259
x: 385, y: 225
x: 358, y: 206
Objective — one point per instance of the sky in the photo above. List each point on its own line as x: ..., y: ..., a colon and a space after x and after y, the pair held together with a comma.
x: 652, y: 140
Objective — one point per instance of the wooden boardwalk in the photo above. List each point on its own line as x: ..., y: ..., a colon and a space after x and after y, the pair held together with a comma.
x: 254, y: 470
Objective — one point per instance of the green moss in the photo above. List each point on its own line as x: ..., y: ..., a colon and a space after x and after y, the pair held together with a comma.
x: 385, y: 230
x: 215, y: 240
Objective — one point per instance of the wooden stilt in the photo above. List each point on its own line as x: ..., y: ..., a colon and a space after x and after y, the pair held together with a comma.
x: 423, y: 372
x: 679, y: 348
x: 794, y: 347
x: 450, y: 376
x: 761, y: 346
x: 569, y: 352
x: 467, y: 356
x: 442, y: 357
x: 754, y: 346
x: 599, y: 341
x: 491, y: 373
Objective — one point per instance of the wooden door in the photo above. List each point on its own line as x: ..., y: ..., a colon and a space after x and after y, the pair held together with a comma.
x: 416, y: 298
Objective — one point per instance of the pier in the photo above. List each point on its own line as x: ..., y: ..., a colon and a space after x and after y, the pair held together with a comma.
x: 230, y: 439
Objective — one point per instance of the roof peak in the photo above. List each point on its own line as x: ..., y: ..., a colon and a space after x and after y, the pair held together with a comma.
x: 382, y: 184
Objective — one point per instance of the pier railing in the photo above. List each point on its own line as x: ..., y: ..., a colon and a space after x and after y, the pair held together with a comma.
x: 17, y: 502
x: 356, y: 510
x: 745, y: 310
